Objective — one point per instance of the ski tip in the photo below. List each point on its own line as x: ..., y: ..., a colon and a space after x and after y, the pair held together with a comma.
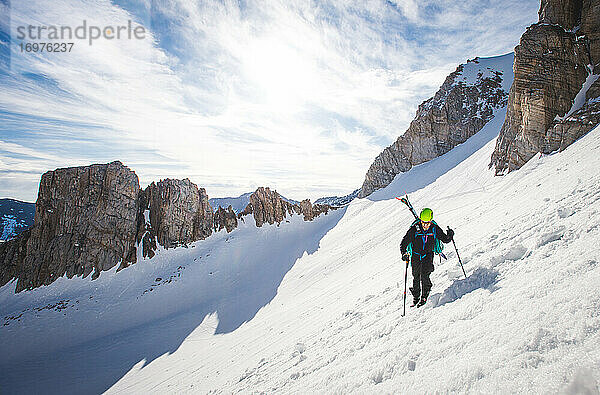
x: 399, y: 198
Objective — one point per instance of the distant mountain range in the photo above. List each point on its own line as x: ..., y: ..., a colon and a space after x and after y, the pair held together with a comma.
x: 15, y: 217
x: 238, y: 204
x: 337, y: 201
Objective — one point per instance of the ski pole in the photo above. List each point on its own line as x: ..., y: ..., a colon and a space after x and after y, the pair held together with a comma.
x: 461, y: 265
x: 405, y: 279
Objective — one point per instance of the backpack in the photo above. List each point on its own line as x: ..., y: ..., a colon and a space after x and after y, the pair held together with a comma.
x: 438, y: 246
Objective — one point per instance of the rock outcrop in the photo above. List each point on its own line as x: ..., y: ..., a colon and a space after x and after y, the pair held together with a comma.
x: 553, y: 61
x: 269, y: 207
x: 85, y: 221
x: 179, y: 212
x: 461, y: 107
x: 310, y: 211
x: 225, y: 219
x: 12, y: 257
x: 90, y: 219
x: 565, y: 13
x: 590, y: 27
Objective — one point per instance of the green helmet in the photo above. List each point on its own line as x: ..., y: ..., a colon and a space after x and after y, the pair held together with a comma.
x: 426, y: 215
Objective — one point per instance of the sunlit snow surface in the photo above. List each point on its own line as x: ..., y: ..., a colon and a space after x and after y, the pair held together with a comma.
x: 316, y: 307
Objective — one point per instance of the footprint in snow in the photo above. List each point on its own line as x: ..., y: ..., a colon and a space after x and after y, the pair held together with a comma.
x: 515, y: 253
x: 565, y: 212
x: 549, y: 237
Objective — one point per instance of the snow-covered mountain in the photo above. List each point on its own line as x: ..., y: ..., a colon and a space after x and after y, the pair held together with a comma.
x: 467, y: 100
x: 238, y: 204
x: 15, y: 216
x: 338, y: 201
x: 315, y: 307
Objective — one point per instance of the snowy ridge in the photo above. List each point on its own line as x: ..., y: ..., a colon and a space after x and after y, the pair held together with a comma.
x: 480, y: 68
x: 427, y: 173
x: 337, y: 201
x: 238, y: 204
x: 316, y: 307
x: 473, y: 74
x: 468, y: 99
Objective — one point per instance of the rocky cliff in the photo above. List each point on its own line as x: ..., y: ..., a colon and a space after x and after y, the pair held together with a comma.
x: 267, y: 207
x: 461, y: 107
x: 270, y: 207
x: 90, y: 219
x: 551, y: 102
x: 225, y: 219
x: 179, y: 212
x: 85, y: 221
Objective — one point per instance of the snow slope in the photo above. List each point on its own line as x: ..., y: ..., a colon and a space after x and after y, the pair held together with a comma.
x: 316, y: 307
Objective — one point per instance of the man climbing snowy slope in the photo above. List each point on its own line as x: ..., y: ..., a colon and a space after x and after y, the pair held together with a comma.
x: 418, y: 246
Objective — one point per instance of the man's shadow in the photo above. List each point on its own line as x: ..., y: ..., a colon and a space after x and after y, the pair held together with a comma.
x: 481, y: 278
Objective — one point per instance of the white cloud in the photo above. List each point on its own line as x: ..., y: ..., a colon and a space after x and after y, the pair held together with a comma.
x: 300, y: 96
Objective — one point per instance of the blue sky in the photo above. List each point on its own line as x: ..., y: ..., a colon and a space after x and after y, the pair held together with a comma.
x: 296, y: 95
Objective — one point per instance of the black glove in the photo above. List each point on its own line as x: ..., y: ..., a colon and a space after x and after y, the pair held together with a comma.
x: 450, y: 233
x: 406, y: 256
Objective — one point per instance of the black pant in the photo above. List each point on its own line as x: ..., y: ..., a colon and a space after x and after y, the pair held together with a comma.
x: 422, y: 266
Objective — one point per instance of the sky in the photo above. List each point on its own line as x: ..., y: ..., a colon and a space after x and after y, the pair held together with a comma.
x: 297, y: 95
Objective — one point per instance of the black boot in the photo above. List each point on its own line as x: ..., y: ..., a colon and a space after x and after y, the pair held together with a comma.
x: 422, y: 302
x: 415, y: 302
x: 415, y: 297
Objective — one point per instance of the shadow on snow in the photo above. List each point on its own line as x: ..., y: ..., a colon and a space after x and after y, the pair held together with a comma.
x: 95, y: 366
x: 481, y: 278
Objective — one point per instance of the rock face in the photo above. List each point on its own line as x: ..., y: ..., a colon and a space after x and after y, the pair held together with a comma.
x: 225, y: 219
x: 310, y: 211
x: 553, y: 61
x: 590, y: 26
x: 179, y: 212
x: 564, y: 132
x: 560, y: 12
x: 90, y: 219
x: 12, y: 255
x: 461, y: 107
x: 269, y: 207
x: 85, y: 220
